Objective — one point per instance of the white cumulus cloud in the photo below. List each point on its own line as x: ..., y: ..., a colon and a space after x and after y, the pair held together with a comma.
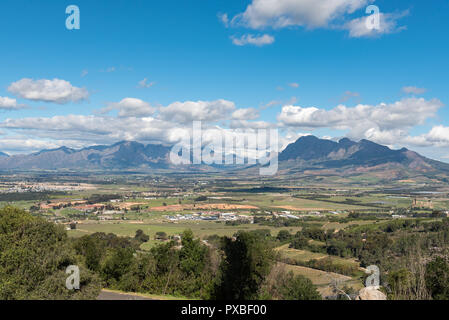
x: 130, y: 107
x: 260, y: 40
x: 56, y: 90
x: 188, y: 111
x: 388, y: 23
x: 245, y: 114
x: 306, y: 13
x: 9, y: 104
x: 384, y: 115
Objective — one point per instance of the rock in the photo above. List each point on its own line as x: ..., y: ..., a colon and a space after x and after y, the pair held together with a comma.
x: 371, y: 293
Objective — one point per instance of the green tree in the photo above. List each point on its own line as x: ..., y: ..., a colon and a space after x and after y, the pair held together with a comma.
x: 192, y: 254
x: 117, y: 263
x: 160, y: 235
x: 337, y: 248
x: 284, y: 235
x: 437, y: 278
x: 141, y: 236
x: 92, y: 249
x: 299, y: 242
x: 247, y: 261
x: 298, y: 288
x: 399, y: 283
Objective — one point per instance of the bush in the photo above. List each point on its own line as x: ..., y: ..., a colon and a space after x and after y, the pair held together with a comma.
x: 299, y: 242
x: 141, y: 236
x: 160, y: 235
x: 284, y: 235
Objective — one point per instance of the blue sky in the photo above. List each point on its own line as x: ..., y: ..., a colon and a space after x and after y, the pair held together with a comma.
x: 391, y: 81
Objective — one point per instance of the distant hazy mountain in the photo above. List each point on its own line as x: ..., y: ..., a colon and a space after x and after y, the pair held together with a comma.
x: 122, y: 155
x: 311, y: 151
x: 307, y: 153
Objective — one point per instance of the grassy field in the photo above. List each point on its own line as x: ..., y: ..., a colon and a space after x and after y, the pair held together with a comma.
x: 340, y: 226
x: 200, y: 229
x: 305, y: 256
x: 275, y: 201
x: 323, y: 279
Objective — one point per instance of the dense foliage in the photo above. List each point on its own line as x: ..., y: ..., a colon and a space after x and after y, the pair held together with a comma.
x: 34, y: 255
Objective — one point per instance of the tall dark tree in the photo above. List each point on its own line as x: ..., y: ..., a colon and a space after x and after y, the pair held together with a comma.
x: 247, y: 262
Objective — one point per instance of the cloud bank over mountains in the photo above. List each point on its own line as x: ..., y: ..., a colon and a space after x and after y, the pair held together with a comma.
x: 138, y: 120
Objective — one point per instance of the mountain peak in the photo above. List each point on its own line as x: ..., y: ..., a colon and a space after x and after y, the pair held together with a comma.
x: 63, y: 149
x: 124, y: 142
x: 345, y: 140
x: 346, y: 143
x: 330, y: 154
x: 307, y: 148
x: 308, y: 138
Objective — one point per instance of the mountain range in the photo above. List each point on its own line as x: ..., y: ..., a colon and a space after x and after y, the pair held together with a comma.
x: 331, y: 154
x: 121, y: 155
x: 308, y: 152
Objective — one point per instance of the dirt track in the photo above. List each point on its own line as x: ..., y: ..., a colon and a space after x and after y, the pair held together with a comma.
x: 109, y: 295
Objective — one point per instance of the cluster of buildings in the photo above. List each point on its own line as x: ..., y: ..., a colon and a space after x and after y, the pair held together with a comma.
x: 422, y: 203
x: 37, y: 187
x: 211, y: 216
x: 109, y: 215
x: 289, y: 215
x: 284, y: 214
